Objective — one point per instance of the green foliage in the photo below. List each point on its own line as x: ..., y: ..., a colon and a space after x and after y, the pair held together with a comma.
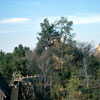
x: 93, y: 66
x: 64, y: 66
x: 20, y: 61
x: 6, y: 65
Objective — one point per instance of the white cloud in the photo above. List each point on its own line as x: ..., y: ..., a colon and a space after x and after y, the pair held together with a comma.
x: 78, y: 19
x: 7, y: 31
x: 14, y: 20
x: 85, y: 19
x: 35, y: 23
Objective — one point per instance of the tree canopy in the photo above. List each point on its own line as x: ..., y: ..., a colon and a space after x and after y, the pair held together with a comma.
x: 67, y: 69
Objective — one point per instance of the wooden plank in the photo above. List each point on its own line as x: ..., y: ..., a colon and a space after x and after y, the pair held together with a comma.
x: 14, y: 93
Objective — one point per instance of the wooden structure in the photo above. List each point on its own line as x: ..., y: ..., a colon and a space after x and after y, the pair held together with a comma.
x: 22, y: 88
x: 14, y: 93
x: 4, y: 89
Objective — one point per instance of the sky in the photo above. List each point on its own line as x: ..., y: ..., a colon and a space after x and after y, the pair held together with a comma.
x: 20, y: 20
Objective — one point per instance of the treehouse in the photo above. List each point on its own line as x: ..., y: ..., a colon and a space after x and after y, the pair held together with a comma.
x: 22, y: 88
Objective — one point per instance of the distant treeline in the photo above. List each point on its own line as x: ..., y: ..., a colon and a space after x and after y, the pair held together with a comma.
x: 67, y: 69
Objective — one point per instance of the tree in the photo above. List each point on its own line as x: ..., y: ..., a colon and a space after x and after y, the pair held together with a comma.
x: 52, y: 43
x: 46, y: 34
x: 6, y: 65
x: 20, y: 61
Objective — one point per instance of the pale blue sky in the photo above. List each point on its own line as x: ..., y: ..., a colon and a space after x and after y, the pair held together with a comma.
x: 19, y: 20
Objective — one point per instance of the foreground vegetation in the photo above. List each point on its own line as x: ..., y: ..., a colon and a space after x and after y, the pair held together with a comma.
x: 67, y: 69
